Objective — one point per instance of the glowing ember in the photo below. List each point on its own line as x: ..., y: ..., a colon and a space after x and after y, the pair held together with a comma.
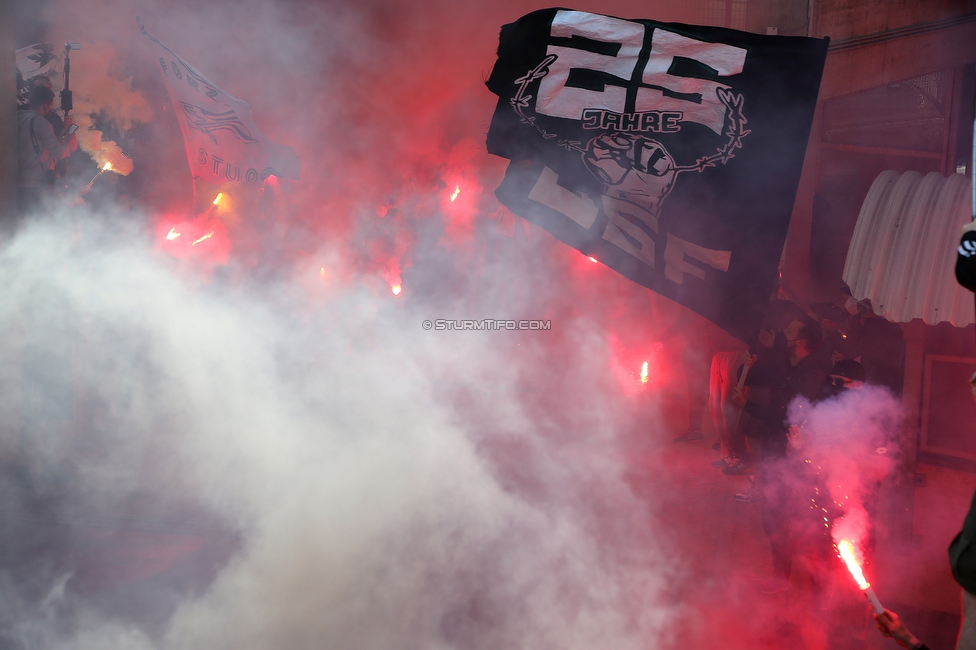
x: 454, y: 194
x: 847, y: 554
x: 217, y: 199
x: 204, y: 238
x: 644, y: 373
x: 173, y: 234
x: 593, y: 259
x: 107, y: 166
x: 322, y: 272
x: 396, y: 289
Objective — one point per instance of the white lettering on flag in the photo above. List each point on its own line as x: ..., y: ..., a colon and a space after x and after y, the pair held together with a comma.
x: 724, y: 59
x: 546, y: 191
x: 222, y: 143
x: 701, y: 103
x: 558, y: 100
x: 675, y: 265
x: 627, y: 235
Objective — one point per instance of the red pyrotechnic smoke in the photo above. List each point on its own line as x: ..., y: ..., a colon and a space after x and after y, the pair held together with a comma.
x: 203, y: 239
x: 636, y: 369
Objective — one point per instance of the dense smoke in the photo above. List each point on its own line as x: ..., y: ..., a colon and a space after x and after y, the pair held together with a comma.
x: 319, y: 429
x: 366, y: 483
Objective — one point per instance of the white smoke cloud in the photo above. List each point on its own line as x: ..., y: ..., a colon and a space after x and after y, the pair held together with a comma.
x: 370, y: 511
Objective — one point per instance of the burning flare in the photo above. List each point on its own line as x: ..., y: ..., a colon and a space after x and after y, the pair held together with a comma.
x: 173, y: 234
x: 643, y: 374
x: 106, y: 167
x: 220, y: 195
x: 396, y: 289
x: 846, y: 550
x: 204, y: 238
x: 592, y: 259
x: 454, y: 194
x: 847, y: 554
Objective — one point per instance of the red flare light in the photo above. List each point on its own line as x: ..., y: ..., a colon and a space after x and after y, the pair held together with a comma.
x: 392, y: 276
x: 455, y: 193
x: 204, y: 238
x: 106, y: 167
x: 643, y: 373
x: 217, y: 199
x: 593, y: 259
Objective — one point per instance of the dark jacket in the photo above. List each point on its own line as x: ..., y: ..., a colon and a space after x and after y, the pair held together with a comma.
x: 785, y: 382
x: 962, y: 552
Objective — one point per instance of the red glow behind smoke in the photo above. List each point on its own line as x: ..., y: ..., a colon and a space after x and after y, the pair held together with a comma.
x: 203, y: 240
x: 387, y: 132
x: 463, y: 198
x: 392, y: 276
x: 635, y: 369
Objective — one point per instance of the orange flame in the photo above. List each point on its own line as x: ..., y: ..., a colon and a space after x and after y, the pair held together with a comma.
x: 454, y: 194
x: 107, y: 166
x: 847, y: 554
x: 173, y: 234
x: 396, y: 289
x: 217, y: 199
x: 643, y: 374
x: 204, y: 238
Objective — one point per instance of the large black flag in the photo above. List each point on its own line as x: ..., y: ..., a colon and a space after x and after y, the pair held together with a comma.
x: 669, y: 152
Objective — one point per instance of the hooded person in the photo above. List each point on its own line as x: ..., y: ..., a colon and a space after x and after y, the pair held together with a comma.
x: 846, y: 374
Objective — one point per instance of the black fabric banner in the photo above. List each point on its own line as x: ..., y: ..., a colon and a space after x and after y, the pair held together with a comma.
x: 669, y: 152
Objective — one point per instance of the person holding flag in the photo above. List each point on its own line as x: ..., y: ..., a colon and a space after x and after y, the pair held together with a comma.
x: 38, y: 149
